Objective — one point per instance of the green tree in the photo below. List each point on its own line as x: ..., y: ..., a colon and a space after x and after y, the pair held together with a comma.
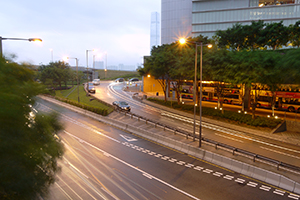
x: 233, y: 38
x: 294, y: 30
x: 28, y: 147
x: 59, y: 72
x: 158, y: 65
x: 276, y: 35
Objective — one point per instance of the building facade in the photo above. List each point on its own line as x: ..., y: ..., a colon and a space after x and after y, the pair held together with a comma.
x: 155, y: 29
x: 209, y: 16
x: 176, y: 20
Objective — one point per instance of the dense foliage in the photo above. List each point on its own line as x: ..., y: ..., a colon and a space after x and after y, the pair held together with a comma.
x: 244, y: 55
x: 29, y: 147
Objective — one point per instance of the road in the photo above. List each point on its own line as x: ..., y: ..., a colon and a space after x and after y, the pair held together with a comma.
x: 256, y: 144
x: 102, y: 162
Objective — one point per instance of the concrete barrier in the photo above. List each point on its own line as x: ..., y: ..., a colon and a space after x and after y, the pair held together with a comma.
x: 297, y: 188
x: 287, y: 184
x: 273, y: 178
x: 208, y: 156
x: 247, y: 170
x: 236, y: 166
x: 259, y: 174
x: 218, y: 160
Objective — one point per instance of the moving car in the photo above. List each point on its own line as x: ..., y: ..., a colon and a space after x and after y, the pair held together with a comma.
x: 120, y: 80
x: 133, y: 80
x: 122, y: 105
x: 96, y: 82
x: 91, y: 88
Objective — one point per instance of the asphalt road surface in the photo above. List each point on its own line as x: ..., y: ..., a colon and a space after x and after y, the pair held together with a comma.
x: 102, y: 162
x: 267, y: 147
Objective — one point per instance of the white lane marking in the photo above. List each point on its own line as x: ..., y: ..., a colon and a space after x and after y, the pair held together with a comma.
x: 265, y: 188
x: 180, y: 163
x: 230, y: 138
x: 165, y: 158
x: 279, y: 192
x: 228, y: 177
x: 286, y: 154
x: 147, y: 175
x: 294, y: 196
x: 189, y: 165
x: 252, y: 184
x: 239, y: 180
x: 219, y: 174
x: 137, y: 169
x: 198, y: 168
x: 208, y: 171
x: 158, y: 155
x: 128, y: 138
x: 172, y: 160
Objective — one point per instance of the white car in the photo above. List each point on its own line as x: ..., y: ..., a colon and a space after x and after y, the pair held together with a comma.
x: 96, y: 82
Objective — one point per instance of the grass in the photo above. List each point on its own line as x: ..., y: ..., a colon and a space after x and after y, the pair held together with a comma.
x: 72, y: 94
x: 114, y: 74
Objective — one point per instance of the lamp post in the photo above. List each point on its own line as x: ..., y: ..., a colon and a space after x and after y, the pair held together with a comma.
x: 29, y: 39
x: 87, y: 63
x: 51, y: 50
x: 105, y: 70
x: 76, y: 76
x: 183, y: 41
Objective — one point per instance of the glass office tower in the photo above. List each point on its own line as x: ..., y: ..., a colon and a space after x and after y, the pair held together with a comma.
x: 155, y: 30
x: 209, y: 16
x: 176, y: 20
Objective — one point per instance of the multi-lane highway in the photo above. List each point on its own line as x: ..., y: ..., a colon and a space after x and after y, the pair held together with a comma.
x: 102, y: 162
x: 274, y: 149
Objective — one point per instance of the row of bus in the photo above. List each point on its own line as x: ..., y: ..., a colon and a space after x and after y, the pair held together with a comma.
x: 284, y: 99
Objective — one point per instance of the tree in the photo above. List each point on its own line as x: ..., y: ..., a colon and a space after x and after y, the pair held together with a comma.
x: 158, y: 65
x: 295, y: 34
x: 233, y: 38
x: 276, y: 35
x: 58, y: 72
x: 28, y: 147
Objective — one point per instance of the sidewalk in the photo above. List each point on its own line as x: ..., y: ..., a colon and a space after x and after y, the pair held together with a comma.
x: 286, y: 136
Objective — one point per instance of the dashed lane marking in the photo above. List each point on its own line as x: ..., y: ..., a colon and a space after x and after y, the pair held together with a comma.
x: 252, y: 184
x: 218, y: 174
x: 279, y: 192
x: 228, y: 177
x: 265, y: 188
x: 294, y: 196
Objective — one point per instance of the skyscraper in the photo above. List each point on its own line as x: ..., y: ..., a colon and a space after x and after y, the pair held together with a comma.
x: 155, y: 29
x: 176, y: 20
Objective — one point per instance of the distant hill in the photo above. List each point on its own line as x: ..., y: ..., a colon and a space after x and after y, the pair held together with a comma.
x: 114, y: 74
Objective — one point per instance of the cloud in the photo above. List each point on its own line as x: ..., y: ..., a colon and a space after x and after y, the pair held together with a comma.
x: 121, y: 28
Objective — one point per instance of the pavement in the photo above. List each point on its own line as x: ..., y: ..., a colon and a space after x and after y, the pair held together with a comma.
x: 289, y: 137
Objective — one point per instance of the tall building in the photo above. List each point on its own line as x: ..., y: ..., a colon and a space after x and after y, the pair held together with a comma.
x: 155, y: 30
x: 209, y: 16
x: 184, y: 18
x: 176, y: 20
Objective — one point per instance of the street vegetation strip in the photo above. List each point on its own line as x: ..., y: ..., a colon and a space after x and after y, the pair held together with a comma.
x: 228, y: 116
x: 86, y: 102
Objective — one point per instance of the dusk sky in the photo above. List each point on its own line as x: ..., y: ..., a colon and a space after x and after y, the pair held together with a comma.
x: 70, y: 27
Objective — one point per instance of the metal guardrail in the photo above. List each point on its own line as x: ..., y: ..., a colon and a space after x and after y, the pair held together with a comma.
x: 254, y: 156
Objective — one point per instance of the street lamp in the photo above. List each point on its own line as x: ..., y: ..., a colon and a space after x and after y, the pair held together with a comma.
x: 29, y: 39
x: 67, y: 58
x: 51, y: 50
x: 183, y: 41
x: 87, y: 63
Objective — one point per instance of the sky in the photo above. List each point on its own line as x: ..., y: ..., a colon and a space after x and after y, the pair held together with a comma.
x: 119, y: 28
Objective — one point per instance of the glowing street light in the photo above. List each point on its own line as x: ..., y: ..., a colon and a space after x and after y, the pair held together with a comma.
x: 183, y: 41
x: 29, y: 39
